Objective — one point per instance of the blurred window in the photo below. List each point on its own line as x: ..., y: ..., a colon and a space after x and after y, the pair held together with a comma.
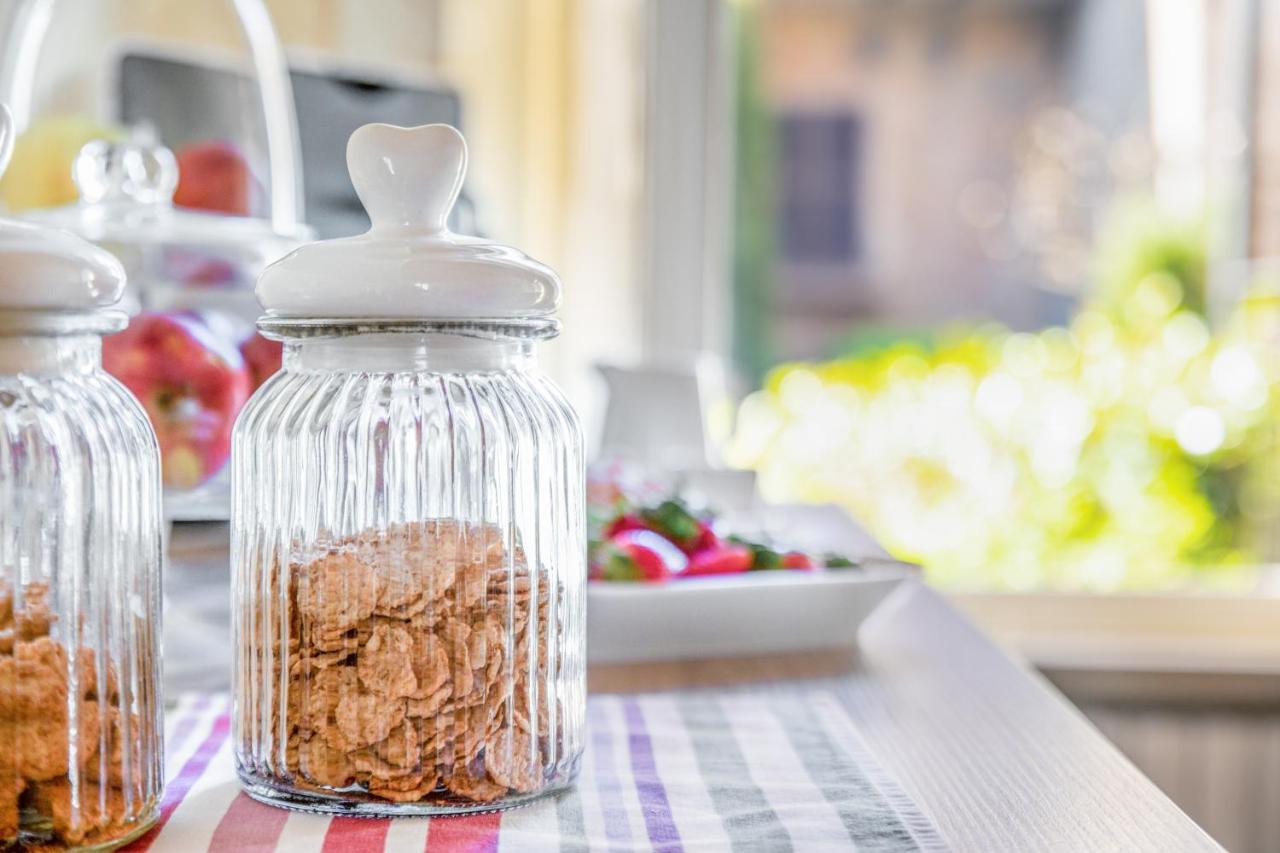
x: 818, y: 178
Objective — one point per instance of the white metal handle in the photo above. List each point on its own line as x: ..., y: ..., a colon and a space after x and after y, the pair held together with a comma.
x: 280, y: 116
x: 6, y: 137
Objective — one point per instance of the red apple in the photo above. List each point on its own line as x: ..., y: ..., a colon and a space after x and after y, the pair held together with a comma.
x: 214, y: 176
x: 192, y: 384
x: 263, y: 357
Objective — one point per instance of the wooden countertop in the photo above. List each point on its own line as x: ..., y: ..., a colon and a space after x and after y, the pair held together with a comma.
x: 996, y: 756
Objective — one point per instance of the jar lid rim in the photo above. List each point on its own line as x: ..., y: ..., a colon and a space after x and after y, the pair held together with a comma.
x: 296, y: 328
x: 50, y: 324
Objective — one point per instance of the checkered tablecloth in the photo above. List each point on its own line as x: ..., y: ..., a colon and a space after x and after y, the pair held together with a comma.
x: 760, y: 770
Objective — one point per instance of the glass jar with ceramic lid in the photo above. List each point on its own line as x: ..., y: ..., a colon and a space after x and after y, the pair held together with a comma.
x: 408, y: 521
x: 80, y: 554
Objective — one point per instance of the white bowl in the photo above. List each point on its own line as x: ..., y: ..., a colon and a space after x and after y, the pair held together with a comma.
x: 753, y: 613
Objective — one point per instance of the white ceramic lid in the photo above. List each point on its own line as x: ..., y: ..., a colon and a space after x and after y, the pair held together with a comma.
x: 47, y: 269
x: 409, y: 265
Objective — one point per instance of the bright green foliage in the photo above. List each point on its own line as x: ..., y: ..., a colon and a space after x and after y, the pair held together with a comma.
x: 1132, y: 449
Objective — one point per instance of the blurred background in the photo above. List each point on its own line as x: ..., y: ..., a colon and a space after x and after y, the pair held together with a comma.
x: 998, y: 277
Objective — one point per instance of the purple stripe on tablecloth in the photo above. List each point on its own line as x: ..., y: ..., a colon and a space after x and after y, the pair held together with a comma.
x: 178, y: 789
x: 183, y: 727
x: 617, y: 828
x: 654, y: 804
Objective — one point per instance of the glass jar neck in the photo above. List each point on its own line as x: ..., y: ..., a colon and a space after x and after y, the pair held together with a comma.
x: 401, y: 351
x: 44, y: 354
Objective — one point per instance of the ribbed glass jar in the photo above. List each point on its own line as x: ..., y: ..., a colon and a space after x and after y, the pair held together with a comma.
x: 80, y: 555
x: 409, y: 553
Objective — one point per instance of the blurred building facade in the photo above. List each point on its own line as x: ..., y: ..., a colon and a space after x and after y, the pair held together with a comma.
x: 924, y: 147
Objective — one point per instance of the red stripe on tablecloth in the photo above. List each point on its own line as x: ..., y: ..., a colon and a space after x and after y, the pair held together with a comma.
x: 474, y: 833
x: 187, y: 776
x: 249, y: 826
x: 356, y: 835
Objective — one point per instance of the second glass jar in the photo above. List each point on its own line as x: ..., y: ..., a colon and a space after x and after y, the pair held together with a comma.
x: 409, y: 553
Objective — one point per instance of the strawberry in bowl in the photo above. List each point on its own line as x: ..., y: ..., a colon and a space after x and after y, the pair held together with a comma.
x: 720, y: 559
x: 638, y: 555
x: 674, y: 520
x: 664, y: 539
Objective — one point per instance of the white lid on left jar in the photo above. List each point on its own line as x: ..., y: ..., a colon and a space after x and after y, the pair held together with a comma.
x: 49, y: 270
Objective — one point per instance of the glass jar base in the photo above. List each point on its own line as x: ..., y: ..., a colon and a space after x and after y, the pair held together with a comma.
x: 144, y: 825
x: 275, y: 793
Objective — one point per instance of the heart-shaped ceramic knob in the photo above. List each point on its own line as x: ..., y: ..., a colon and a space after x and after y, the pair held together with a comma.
x: 408, y: 178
